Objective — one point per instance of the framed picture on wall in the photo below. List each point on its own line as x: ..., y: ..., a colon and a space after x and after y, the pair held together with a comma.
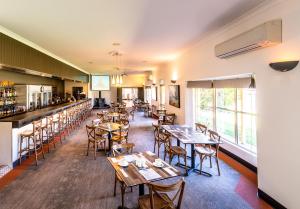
x: 174, y: 95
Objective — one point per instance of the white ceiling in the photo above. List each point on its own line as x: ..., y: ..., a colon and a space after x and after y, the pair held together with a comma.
x: 83, y: 31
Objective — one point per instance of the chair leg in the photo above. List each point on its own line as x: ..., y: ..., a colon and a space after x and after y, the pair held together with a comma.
x: 35, y: 151
x: 185, y: 166
x: 95, y: 150
x: 201, y: 160
x: 20, y: 152
x: 88, y: 149
x: 217, y: 161
x: 48, y: 142
x: 42, y: 146
x: 115, y: 187
x: 154, y: 146
x: 210, y: 161
x: 170, y: 158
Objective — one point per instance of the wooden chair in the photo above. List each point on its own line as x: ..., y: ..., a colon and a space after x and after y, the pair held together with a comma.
x: 117, y: 150
x: 159, y: 198
x: 132, y: 112
x: 123, y: 122
x: 200, y: 127
x: 208, y: 151
x: 173, y: 150
x: 156, y: 135
x: 169, y: 119
x: 34, y: 142
x: 100, y: 116
x: 95, y: 138
x: 121, y: 135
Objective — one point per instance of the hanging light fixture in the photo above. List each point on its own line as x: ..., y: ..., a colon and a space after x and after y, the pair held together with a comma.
x: 121, y: 79
x: 113, y: 80
x: 116, y: 79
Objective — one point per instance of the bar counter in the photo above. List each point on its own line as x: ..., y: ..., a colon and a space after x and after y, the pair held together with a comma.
x: 12, y: 127
x: 26, y: 118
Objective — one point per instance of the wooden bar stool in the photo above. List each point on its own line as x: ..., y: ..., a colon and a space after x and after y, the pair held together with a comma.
x: 56, y: 128
x: 34, y: 142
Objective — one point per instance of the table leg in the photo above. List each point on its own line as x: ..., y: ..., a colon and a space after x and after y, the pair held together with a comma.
x: 123, y: 188
x: 109, y: 144
x: 141, y: 189
x: 192, y: 156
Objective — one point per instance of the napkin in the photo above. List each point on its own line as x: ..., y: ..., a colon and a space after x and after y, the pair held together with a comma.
x: 150, y: 153
x: 149, y: 174
x: 169, y: 171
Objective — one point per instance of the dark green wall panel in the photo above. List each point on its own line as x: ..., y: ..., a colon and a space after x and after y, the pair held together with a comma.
x: 16, y: 54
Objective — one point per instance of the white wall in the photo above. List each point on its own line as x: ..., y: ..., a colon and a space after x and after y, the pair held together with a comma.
x: 278, y: 102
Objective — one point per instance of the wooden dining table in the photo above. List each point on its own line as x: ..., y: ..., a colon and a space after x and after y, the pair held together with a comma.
x: 108, y: 127
x: 187, y: 135
x: 134, y: 176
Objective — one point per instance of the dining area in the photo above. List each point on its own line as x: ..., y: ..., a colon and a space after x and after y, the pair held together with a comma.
x: 144, y: 160
x: 126, y: 163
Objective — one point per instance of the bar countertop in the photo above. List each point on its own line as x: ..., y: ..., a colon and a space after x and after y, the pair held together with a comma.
x: 28, y: 117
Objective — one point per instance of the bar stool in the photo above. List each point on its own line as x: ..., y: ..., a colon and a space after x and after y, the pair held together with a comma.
x: 35, y: 137
x: 49, y: 131
x: 63, y: 123
x: 56, y: 127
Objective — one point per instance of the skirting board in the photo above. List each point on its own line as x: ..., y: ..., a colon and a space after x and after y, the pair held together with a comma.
x: 261, y: 194
x: 238, y: 159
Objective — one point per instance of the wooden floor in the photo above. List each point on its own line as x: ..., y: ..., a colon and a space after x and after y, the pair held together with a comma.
x: 69, y: 179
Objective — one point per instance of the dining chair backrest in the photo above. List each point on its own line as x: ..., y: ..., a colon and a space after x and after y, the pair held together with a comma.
x: 200, y: 127
x: 215, y: 136
x: 100, y: 115
x: 124, y: 115
x: 169, y: 119
x: 123, y: 122
x: 156, y: 131
x: 160, y: 190
x: 122, y: 149
x: 91, y: 132
x: 37, y: 127
x: 165, y: 138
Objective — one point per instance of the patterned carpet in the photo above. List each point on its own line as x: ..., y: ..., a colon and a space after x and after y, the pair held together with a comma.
x: 68, y: 179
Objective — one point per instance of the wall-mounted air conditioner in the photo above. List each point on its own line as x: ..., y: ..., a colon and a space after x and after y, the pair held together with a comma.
x: 264, y: 35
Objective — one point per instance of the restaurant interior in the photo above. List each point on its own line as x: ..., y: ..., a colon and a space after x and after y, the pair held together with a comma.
x: 149, y: 104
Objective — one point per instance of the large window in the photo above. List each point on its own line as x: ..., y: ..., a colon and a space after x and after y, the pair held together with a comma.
x: 148, y: 93
x: 162, y: 95
x: 229, y: 111
x: 129, y: 93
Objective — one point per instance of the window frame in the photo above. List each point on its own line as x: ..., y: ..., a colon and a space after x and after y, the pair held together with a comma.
x: 236, y: 112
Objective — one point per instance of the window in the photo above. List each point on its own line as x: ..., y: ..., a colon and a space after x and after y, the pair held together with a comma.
x: 129, y: 93
x: 204, y: 106
x: 225, y: 113
x: 246, y: 118
x: 148, y: 94
x: 229, y: 111
x: 162, y: 95
x: 154, y: 93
